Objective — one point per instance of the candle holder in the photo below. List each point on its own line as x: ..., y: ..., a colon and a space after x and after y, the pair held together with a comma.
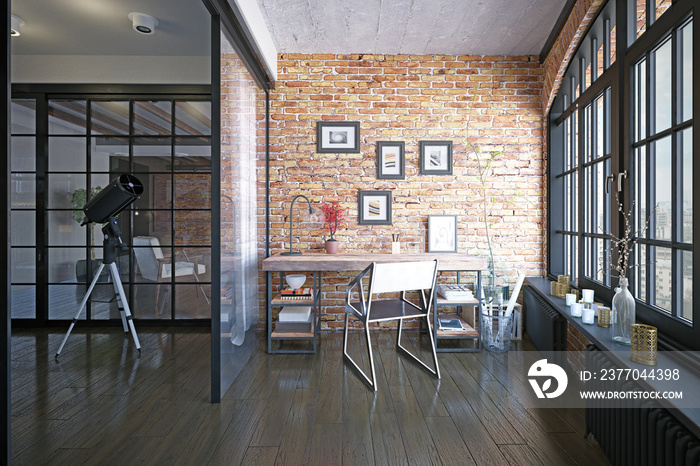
x: 564, y: 279
x: 553, y: 288
x: 604, y: 316
x: 576, y: 292
x: 643, y: 343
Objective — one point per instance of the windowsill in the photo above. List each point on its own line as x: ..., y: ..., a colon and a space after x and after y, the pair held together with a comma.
x: 601, y: 337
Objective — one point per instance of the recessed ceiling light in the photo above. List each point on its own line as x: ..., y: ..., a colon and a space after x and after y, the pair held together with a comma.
x: 143, y: 23
x: 15, y: 24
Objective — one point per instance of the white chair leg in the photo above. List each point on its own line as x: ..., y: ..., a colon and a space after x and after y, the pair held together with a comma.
x: 372, y: 383
x: 436, y: 371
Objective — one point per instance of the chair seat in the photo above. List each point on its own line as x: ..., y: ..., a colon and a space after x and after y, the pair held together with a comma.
x: 391, y: 309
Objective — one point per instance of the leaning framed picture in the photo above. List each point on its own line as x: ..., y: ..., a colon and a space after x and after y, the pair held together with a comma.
x: 435, y: 158
x: 338, y: 136
x: 442, y: 233
x: 390, y: 160
x: 374, y: 207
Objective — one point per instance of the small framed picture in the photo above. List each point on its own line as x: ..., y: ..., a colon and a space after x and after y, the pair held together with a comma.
x: 338, y: 136
x: 442, y: 233
x: 435, y: 158
x: 374, y: 207
x: 390, y: 160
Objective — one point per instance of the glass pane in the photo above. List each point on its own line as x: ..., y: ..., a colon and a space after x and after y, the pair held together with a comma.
x: 588, y: 76
x: 64, y: 301
x: 22, y: 191
x: 192, y: 228
x: 640, y: 271
x: 661, y: 170
x: 568, y: 156
x: 687, y: 187
x: 152, y: 155
x: 157, y: 192
x: 67, y: 154
x: 109, y: 154
x: 587, y: 133
x: 109, y: 117
x: 152, y: 117
x: 640, y: 14
x: 662, y: 278
x: 600, y: 60
x: 23, y: 302
x: 193, y: 118
x: 152, y: 259
x: 23, y: 267
x: 190, y: 262
x: 64, y: 190
x: 600, y: 255
x: 661, y: 7
x: 193, y: 191
x: 686, y: 71
x: 103, y: 306
x: 687, y: 287
x: 587, y: 254
x: 67, y: 117
x: 156, y: 223
x: 193, y: 154
x: 640, y: 181
x: 640, y: 101
x: 151, y: 301
x: 64, y: 228
x: 600, y: 126
x: 23, y: 154
x: 613, y: 44
x: 191, y: 301
x: 23, y: 116
x: 65, y: 263
x: 662, y: 83
x: 23, y: 231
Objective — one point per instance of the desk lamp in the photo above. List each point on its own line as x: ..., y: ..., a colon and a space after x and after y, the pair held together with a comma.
x: 291, y: 252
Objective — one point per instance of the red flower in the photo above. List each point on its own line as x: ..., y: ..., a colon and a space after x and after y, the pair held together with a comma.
x: 333, y: 215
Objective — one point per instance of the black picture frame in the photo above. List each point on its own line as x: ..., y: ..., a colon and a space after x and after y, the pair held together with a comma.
x: 442, y: 233
x: 391, y: 160
x: 334, y: 137
x: 374, y: 207
x: 435, y: 158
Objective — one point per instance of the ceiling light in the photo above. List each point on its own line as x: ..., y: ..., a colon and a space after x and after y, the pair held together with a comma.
x: 143, y: 23
x: 15, y: 23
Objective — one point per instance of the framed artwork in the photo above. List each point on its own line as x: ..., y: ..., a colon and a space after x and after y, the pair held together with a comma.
x: 435, y: 158
x: 338, y: 136
x: 442, y: 233
x: 390, y: 160
x: 374, y: 207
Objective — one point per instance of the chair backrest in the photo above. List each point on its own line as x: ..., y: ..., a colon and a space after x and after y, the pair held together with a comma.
x: 147, y: 256
x: 403, y: 276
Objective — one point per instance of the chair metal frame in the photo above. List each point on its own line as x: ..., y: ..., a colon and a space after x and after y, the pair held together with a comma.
x: 363, y: 314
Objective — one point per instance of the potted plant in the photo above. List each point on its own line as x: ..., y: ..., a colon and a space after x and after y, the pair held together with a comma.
x: 333, y: 215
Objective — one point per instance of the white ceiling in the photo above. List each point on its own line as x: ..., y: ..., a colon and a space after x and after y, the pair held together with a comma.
x: 101, y: 27
x: 482, y: 27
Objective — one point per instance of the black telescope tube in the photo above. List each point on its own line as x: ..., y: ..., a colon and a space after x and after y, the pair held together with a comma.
x: 118, y: 194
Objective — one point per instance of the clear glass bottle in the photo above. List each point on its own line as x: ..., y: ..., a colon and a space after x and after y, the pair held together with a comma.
x: 624, y: 305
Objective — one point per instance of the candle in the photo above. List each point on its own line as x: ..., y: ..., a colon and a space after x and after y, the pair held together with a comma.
x: 570, y: 299
x: 576, y: 309
x: 588, y: 316
x: 587, y: 296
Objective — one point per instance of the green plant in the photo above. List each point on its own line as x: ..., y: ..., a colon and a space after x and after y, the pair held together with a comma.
x: 79, y: 198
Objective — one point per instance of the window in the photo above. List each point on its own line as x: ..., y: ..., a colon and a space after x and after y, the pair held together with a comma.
x: 634, y: 144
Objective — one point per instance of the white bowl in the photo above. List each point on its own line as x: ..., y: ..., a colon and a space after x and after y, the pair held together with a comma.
x: 295, y: 281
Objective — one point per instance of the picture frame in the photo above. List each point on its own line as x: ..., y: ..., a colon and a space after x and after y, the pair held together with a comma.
x: 338, y: 137
x: 374, y: 207
x: 435, y: 158
x: 391, y: 160
x: 442, y: 233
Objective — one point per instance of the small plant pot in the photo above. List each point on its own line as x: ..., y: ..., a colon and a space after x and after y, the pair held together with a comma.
x: 331, y: 246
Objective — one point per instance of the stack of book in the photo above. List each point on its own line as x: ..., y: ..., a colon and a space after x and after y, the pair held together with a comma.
x: 298, y: 294
x: 450, y: 325
x: 455, y: 292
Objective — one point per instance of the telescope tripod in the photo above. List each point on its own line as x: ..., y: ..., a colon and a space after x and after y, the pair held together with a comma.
x: 112, y: 240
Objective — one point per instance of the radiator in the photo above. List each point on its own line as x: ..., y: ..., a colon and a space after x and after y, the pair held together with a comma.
x: 545, y: 326
x: 635, y: 432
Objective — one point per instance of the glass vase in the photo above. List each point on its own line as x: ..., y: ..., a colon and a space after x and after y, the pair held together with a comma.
x: 624, y: 306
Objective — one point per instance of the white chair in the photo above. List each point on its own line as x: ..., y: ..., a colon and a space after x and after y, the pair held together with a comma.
x: 155, y: 266
x: 391, y: 278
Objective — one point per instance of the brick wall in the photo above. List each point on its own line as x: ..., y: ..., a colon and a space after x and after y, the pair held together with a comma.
x: 495, y: 102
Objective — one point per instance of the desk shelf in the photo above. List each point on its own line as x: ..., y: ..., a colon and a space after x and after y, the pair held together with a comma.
x: 468, y: 317
x: 468, y: 331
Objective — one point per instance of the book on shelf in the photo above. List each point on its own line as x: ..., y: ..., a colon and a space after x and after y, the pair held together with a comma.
x: 455, y: 291
x: 453, y: 325
x: 301, y: 293
x: 297, y: 314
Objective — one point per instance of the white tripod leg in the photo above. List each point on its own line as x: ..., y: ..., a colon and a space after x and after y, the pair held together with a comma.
x: 120, y: 304
x: 82, y: 306
x: 127, y: 311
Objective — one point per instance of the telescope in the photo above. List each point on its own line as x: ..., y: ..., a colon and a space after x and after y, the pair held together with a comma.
x: 103, y: 208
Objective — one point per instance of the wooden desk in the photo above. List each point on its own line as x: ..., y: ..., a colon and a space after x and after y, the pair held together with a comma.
x: 322, y: 262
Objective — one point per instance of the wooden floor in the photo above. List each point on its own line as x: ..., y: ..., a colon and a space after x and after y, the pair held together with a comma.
x: 103, y: 405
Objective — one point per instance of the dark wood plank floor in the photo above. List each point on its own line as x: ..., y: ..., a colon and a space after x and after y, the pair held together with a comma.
x: 103, y: 405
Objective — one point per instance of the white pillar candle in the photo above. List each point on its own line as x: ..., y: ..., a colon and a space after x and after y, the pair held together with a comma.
x: 588, y: 316
x: 570, y: 299
x: 587, y: 296
x: 576, y: 309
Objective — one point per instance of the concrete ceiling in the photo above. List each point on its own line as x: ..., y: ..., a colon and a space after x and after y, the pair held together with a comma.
x: 480, y: 27
x: 101, y: 27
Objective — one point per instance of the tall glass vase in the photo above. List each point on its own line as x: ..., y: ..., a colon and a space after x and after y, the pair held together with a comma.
x: 623, y: 304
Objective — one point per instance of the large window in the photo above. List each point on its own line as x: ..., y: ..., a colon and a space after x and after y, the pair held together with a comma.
x: 620, y: 136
